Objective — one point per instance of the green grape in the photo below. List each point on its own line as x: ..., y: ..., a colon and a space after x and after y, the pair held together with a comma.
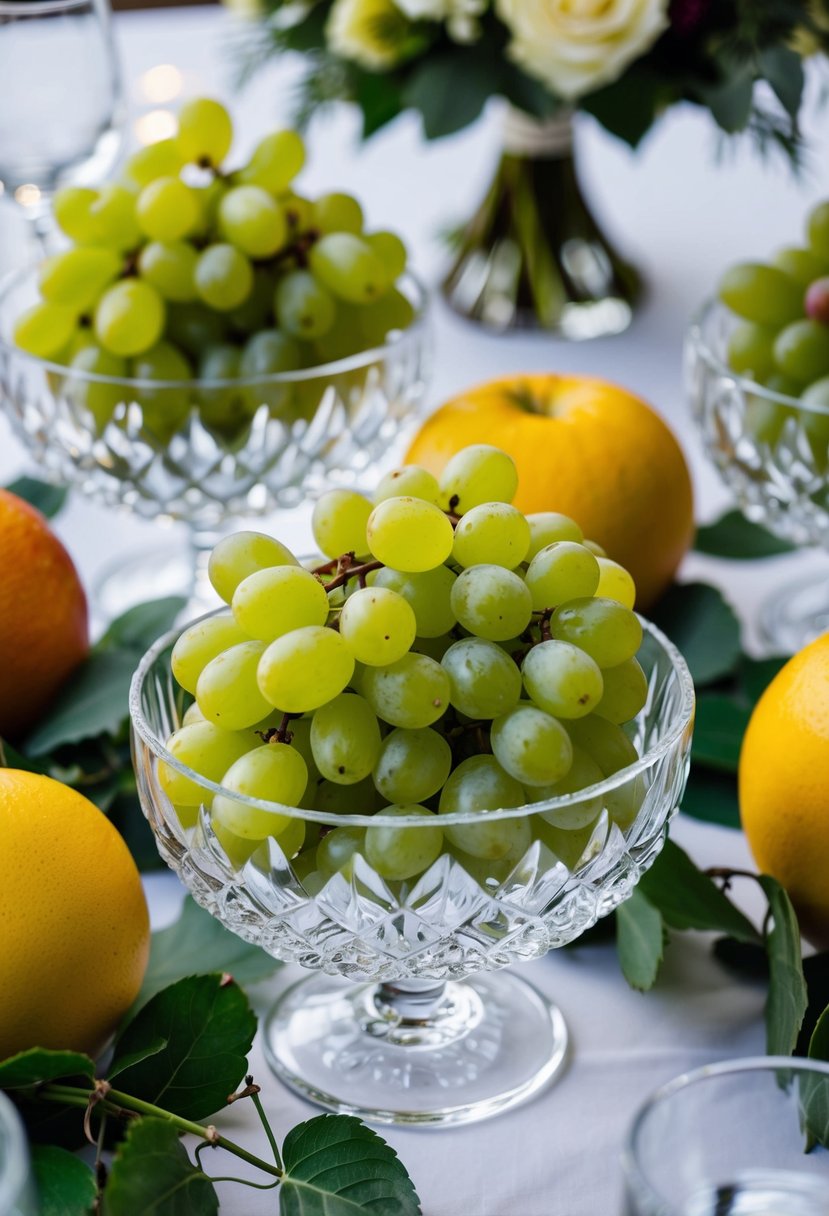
x: 604, y: 629
x: 429, y: 592
x: 625, y: 692
x: 531, y: 746
x: 273, y: 601
x: 161, y: 159
x: 377, y: 625
x: 604, y: 742
x: 170, y: 267
x: 114, y: 217
x: 129, y: 318
x: 208, y: 201
x: 238, y: 555
x: 305, y: 668
x: 493, y: 533
x: 345, y: 739
x: 337, y: 213
x: 817, y: 229
x: 761, y: 293
x: 274, y: 772
x: 100, y: 398
x: 339, y: 523
x: 595, y: 548
x: 392, y: 312
x: 478, y: 474
x: 194, y: 328
x: 491, y: 602
x: 207, y: 750
x: 801, y: 351
x: 409, y: 534
x: 583, y: 772
x: 764, y: 418
x: 298, y: 211
x: 269, y: 353
x: 400, y: 853
x: 412, y: 693
x: 411, y: 482
x: 44, y: 329
x: 562, y: 679
x: 78, y: 276
x: 570, y: 846
x: 547, y: 527
x: 256, y: 312
x: 435, y: 648
x: 205, y: 132
x: 625, y: 801
x: 251, y: 220
x: 348, y: 267
x: 163, y: 409
x: 72, y: 209
x: 224, y: 408
x: 802, y: 265
x: 302, y: 305
x: 344, y: 338
x: 227, y: 690
x: 275, y: 162
x: 562, y: 571
x: 479, y: 784
x: 334, y: 799
x: 750, y: 350
x: 337, y: 850
x: 200, y: 643
x: 615, y: 583
x: 390, y: 250
x: 224, y: 277
x: 167, y: 209
x: 484, y: 681
x: 412, y: 765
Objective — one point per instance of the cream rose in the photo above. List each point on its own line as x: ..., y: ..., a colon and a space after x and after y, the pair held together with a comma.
x: 574, y: 46
x: 461, y: 16
x: 373, y: 33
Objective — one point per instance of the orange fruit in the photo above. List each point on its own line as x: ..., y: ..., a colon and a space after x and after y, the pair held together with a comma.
x: 588, y: 449
x: 44, y: 631
x: 75, y: 931
x: 784, y: 785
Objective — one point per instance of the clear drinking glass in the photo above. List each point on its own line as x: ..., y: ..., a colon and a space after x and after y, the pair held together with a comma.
x: 409, y: 1016
x: 62, y: 106
x: 733, y: 1139
x: 17, y: 1195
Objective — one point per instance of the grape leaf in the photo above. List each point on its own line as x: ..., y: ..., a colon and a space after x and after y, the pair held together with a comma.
x: 38, y: 1064
x: 719, y: 726
x: 787, y: 997
x: 65, y: 1184
x: 153, y: 1175
x: 46, y: 498
x: 640, y: 940
x: 704, y: 628
x: 689, y: 899
x: 737, y: 538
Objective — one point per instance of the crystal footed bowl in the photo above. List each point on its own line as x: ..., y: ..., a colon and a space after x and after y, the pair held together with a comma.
x: 410, y: 1016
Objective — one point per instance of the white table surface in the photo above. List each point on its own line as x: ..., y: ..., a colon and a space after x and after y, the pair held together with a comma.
x: 681, y: 214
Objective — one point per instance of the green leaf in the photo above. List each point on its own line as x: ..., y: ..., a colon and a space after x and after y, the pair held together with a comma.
x: 11, y: 758
x: 730, y: 101
x: 816, y: 974
x: 153, y: 1175
x: 449, y: 89
x: 787, y: 997
x: 198, y: 942
x: 783, y: 69
x: 640, y: 940
x: 712, y: 797
x: 628, y: 107
x: 336, y: 1166
x: 207, y: 1027
x: 37, y: 1065
x: 737, y: 538
x: 719, y: 727
x: 704, y: 628
x: 142, y: 625
x: 93, y: 702
x: 689, y: 899
x: 819, y: 1042
x: 48, y: 499
x: 814, y: 1091
x: 755, y: 675
x: 65, y: 1184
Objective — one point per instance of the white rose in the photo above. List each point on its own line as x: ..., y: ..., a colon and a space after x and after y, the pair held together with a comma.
x: 441, y: 10
x: 574, y: 46
x: 373, y: 33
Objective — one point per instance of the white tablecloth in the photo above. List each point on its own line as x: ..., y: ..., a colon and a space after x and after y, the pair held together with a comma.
x: 681, y: 214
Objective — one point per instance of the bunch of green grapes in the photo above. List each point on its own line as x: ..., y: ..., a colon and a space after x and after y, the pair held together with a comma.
x: 184, y: 270
x: 450, y: 655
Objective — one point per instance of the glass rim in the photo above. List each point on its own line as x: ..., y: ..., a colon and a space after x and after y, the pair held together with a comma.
x: 13, y: 1175
x: 29, y: 8
x: 696, y: 339
x: 456, y: 818
x: 631, y: 1166
x: 321, y: 371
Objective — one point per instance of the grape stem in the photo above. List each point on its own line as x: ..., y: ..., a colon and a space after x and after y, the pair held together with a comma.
x: 345, y: 570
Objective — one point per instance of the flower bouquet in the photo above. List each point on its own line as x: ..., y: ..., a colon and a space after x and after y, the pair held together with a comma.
x: 533, y: 254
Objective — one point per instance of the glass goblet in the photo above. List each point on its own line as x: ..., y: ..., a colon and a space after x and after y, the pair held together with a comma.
x: 17, y: 1196
x: 410, y: 1016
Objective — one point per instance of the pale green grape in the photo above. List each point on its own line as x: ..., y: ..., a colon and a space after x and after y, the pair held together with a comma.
x: 200, y: 643
x: 625, y: 692
x: 339, y: 523
x: 761, y: 293
x: 484, y: 682
x: 412, y: 693
x: 274, y: 772
x: 238, y: 555
x: 256, y: 312
x: 390, y: 250
x: 303, y: 307
x: 568, y: 845
x: 268, y: 353
x: 764, y: 418
x: 377, y: 625
x: 224, y: 277
x: 412, y: 765
x: 298, y: 211
x: 273, y: 601
x: 337, y: 849
x: 491, y: 602
x: 801, y: 351
x: 750, y: 350
x: 802, y: 265
x: 479, y: 784
x: 251, y: 220
x: 817, y: 229
x: 337, y: 212
x: 207, y: 750
x: 99, y: 397
x: 334, y: 799
x: 164, y: 409
x: 625, y: 801
x: 227, y: 407
x: 615, y: 583
x: 208, y: 199
x: 411, y: 481
x: 44, y: 329
x: 435, y: 648
x: 305, y: 668
x: 392, y: 312
x: 72, y: 209
x: 531, y: 746
x: 429, y: 593
x: 547, y: 527
x: 595, y: 548
x: 194, y: 328
x: 345, y: 739
x: 205, y: 132
x: 237, y: 851
x: 227, y: 690
x: 170, y: 267
x: 77, y: 276
x: 167, y: 209
x: 114, y: 219
x: 604, y: 629
x: 348, y: 267
x: 344, y: 338
x: 583, y: 772
x: 275, y: 162
x: 409, y: 534
x: 604, y: 741
x: 129, y: 318
x: 487, y: 873
x: 562, y: 571
x: 161, y: 159
x: 400, y: 853
x: 562, y: 679
x: 477, y: 474
x: 494, y: 533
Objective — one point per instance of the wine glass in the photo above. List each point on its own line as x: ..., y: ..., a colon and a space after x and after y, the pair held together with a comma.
x: 17, y: 1197
x: 409, y: 1016
x: 62, y: 108
x: 773, y: 452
